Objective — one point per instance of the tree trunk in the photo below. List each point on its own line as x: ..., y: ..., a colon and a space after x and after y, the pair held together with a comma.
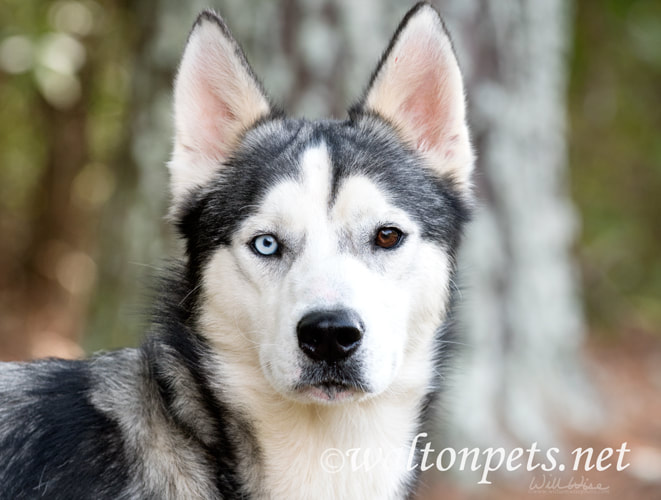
x: 523, y: 378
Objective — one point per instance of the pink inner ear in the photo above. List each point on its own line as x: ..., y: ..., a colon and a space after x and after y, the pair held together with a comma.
x: 421, y: 76
x: 213, y: 117
x: 426, y: 108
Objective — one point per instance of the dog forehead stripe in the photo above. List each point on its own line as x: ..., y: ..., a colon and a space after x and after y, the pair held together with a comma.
x: 317, y: 170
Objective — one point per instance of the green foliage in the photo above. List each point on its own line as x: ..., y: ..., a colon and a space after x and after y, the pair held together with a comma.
x: 89, y: 44
x: 615, y: 106
x: 65, y: 84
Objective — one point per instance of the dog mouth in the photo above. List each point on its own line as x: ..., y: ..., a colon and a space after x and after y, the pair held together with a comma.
x: 330, y: 392
x: 331, y: 388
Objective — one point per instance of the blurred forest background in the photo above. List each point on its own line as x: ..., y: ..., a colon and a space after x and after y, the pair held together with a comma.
x: 565, y: 102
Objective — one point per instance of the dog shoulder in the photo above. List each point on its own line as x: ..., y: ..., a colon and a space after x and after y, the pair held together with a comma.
x: 52, y: 437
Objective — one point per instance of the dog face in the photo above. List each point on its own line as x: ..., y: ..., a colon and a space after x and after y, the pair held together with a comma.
x: 323, y: 250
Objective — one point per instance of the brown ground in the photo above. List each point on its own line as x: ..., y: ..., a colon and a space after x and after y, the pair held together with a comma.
x: 627, y: 373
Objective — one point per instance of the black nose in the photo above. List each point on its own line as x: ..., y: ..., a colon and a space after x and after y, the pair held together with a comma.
x: 329, y: 335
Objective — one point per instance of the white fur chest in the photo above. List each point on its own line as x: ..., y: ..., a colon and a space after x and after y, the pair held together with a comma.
x: 332, y: 452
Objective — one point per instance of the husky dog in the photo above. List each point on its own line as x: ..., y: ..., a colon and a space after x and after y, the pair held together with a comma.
x: 310, y: 312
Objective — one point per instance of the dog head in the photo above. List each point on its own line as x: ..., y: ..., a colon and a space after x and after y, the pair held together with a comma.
x: 323, y: 250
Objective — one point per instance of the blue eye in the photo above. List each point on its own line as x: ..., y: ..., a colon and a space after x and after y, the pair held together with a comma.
x: 266, y: 244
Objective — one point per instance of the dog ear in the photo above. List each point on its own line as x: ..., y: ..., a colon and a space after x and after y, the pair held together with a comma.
x: 418, y: 88
x: 216, y: 97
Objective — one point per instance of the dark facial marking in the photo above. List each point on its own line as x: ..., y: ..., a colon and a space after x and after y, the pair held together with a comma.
x: 271, y: 153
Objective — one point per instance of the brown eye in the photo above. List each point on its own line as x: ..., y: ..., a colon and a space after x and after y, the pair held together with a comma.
x: 388, y: 237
